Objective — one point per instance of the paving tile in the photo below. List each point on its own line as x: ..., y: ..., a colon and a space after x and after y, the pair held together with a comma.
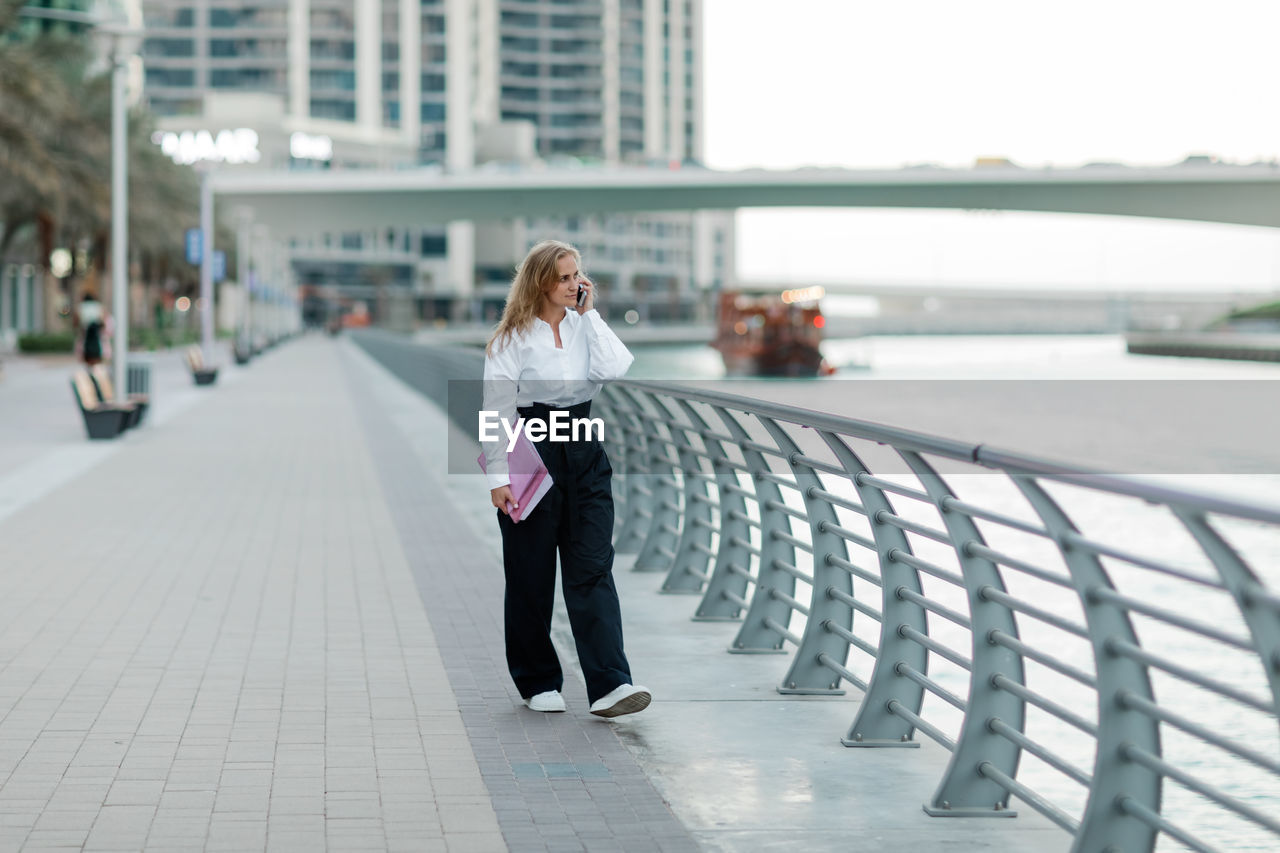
x: 168, y: 706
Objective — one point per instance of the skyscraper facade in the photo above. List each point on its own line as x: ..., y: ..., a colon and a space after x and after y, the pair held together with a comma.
x: 461, y: 84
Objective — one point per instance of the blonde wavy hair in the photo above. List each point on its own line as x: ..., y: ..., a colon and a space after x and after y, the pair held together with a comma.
x: 535, y: 276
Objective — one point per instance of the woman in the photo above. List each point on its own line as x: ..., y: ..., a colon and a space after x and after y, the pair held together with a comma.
x: 550, y: 352
x: 90, y: 321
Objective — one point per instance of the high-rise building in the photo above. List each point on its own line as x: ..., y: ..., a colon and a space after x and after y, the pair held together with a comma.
x: 491, y: 84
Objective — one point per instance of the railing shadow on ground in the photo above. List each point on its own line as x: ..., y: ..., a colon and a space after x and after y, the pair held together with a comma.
x: 1094, y: 647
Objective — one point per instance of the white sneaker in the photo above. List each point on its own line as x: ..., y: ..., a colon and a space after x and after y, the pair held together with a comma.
x: 624, y: 699
x: 550, y: 702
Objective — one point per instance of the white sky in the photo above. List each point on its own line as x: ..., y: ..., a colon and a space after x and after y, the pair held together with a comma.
x: 882, y: 84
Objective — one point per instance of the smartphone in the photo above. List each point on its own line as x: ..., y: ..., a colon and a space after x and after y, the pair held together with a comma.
x: 582, y: 295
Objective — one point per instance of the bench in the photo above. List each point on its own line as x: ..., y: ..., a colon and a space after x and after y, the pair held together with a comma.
x: 107, y: 393
x: 203, y: 374
x: 101, y: 420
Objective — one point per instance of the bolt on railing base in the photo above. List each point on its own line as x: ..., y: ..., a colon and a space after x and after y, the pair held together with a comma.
x: 969, y: 811
x: 733, y: 651
x: 881, y: 743
x: 809, y: 691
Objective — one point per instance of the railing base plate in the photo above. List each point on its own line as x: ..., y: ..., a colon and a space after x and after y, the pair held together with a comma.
x: 882, y: 744
x: 809, y: 691
x: 934, y: 811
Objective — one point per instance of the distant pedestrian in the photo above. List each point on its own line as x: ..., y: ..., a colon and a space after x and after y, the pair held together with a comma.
x: 550, y: 354
x: 91, y: 323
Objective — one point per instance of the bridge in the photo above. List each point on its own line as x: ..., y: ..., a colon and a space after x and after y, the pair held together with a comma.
x: 305, y: 202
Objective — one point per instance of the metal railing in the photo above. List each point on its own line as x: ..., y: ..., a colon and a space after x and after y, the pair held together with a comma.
x: 1096, y: 647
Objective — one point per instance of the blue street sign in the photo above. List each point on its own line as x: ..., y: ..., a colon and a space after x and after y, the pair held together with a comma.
x: 194, y: 245
x: 219, y: 265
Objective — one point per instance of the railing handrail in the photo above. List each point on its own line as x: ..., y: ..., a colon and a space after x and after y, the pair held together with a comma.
x: 979, y: 453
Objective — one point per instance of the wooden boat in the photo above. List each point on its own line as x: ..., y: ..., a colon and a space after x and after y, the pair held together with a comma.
x: 771, y: 334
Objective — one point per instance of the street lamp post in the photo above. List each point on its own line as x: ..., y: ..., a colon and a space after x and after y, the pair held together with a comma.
x: 120, y: 215
x: 206, y: 267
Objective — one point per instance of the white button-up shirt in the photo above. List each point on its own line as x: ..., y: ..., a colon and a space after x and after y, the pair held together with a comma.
x: 532, y: 369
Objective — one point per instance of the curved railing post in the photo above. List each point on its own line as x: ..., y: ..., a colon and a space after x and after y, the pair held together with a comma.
x: 637, y: 501
x: 766, y: 618
x: 964, y: 791
x: 875, y: 724
x: 1106, y: 824
x: 662, y: 475
x: 693, y: 552
x: 1262, y: 620
x: 726, y: 596
x: 808, y: 674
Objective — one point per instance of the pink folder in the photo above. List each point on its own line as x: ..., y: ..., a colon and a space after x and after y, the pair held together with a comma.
x: 529, y: 477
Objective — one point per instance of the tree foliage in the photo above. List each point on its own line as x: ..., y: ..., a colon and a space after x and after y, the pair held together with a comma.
x: 55, y: 156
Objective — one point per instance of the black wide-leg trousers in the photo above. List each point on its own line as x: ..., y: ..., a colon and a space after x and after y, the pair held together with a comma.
x: 576, y: 519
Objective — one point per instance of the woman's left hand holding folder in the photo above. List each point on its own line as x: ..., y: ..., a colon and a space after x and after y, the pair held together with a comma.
x: 503, y: 499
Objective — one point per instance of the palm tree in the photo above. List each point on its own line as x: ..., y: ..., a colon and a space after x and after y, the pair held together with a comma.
x: 55, y: 156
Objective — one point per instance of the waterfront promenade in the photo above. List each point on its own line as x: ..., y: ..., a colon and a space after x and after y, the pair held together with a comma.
x: 270, y: 619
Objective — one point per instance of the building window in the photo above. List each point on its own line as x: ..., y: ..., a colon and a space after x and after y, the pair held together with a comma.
x: 432, y: 112
x: 575, y: 96
x: 170, y: 18
x: 528, y: 45
x: 572, y: 120
x: 575, y: 46
x: 174, y: 77
x: 352, y: 240
x: 517, y: 93
x: 433, y: 82
x: 342, y: 81
x: 327, y: 49
x: 434, y: 245
x: 569, y: 71
x: 326, y: 108
x: 170, y: 47
x: 575, y: 22
x: 243, y: 78
x: 520, y: 69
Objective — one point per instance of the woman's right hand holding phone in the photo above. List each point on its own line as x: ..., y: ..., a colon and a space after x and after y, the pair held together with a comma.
x: 586, y: 294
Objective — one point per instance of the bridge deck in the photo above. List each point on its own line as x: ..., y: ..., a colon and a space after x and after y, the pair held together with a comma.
x: 270, y: 620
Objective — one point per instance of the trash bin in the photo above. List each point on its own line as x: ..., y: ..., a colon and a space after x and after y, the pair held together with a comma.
x: 138, y: 376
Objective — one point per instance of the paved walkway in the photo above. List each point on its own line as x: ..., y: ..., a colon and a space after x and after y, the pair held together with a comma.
x: 269, y: 619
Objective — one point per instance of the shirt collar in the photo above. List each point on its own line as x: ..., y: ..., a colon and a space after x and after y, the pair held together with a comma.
x: 569, y: 315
